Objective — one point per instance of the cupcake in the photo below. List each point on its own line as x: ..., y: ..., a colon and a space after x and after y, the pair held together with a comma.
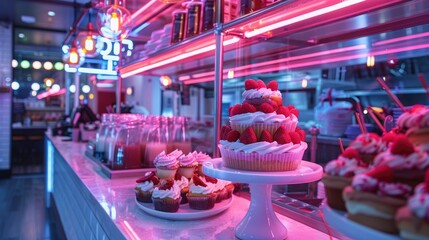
x: 415, y: 124
x: 282, y: 151
x: 183, y: 184
x: 409, y: 163
x: 368, y: 145
x: 187, y: 165
x: 167, y: 164
x: 339, y: 174
x: 413, y: 219
x: 201, y: 194
x: 166, y: 198
x: 145, y: 187
x: 200, y: 158
x: 374, y: 198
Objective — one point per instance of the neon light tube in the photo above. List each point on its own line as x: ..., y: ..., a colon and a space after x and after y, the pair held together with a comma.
x: 400, y: 39
x: 302, y: 17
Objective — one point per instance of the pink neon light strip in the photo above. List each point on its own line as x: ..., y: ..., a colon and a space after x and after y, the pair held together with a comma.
x: 400, y: 39
x: 142, y: 9
x: 51, y: 93
x: 177, y: 58
x: 131, y: 230
x: 302, y: 17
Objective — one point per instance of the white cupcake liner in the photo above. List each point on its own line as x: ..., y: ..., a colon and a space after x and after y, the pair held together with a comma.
x: 261, y: 162
x: 270, y: 127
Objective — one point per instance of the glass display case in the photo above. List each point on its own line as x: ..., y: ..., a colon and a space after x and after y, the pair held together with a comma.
x: 308, y: 47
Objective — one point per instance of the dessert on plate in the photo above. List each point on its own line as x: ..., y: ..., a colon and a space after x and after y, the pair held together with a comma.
x: 339, y: 174
x: 262, y: 135
x: 202, y: 195
x: 166, y: 197
x: 187, y: 164
x: 183, y: 184
x: 413, y: 219
x: 145, y: 186
x: 167, y: 164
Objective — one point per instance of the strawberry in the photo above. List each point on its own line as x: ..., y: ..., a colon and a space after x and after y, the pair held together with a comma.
x: 146, y: 177
x: 427, y: 181
x: 224, y: 132
x: 295, y: 137
x: 275, y: 105
x: 236, y: 109
x: 295, y: 112
x: 402, y: 146
x: 210, y: 179
x: 233, y: 136
x: 383, y: 173
x: 351, y: 153
x: 247, y: 107
x: 167, y: 184
x: 250, y: 84
x: 197, y: 181
x: 389, y: 137
x: 248, y: 136
x: 290, y: 107
x: 266, y: 108
x: 416, y: 108
x: 273, y: 85
x: 281, y: 136
x: 283, y: 110
x: 260, y: 84
x: 302, y: 134
x: 265, y: 136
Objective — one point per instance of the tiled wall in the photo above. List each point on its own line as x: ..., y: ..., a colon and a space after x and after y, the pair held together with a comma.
x: 5, y: 95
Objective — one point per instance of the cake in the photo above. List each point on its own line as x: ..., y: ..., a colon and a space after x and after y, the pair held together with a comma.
x: 262, y: 135
x: 145, y: 186
x: 187, y: 164
x: 183, y: 184
x: 413, y: 219
x: 409, y: 163
x: 166, y: 198
x: 374, y: 197
x: 368, y: 145
x: 201, y: 194
x: 339, y: 174
x: 167, y: 164
x: 415, y: 124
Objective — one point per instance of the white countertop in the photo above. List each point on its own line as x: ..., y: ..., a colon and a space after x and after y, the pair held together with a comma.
x: 116, y: 197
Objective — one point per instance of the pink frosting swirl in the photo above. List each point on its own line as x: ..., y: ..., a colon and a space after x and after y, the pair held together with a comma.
x: 188, y: 160
x: 167, y: 160
x: 417, y: 160
x: 398, y: 190
x: 419, y: 202
x: 363, y: 182
x: 416, y: 118
x: 367, y: 143
x: 200, y: 156
x: 345, y: 167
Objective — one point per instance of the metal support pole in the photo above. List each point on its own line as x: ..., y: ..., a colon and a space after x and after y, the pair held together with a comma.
x: 77, y: 92
x: 218, y: 76
x: 119, y: 82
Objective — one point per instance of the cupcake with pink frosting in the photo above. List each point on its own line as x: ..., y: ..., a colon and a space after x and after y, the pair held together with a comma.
x: 415, y: 124
x: 339, y: 174
x: 374, y: 197
x: 166, y: 198
x: 200, y: 158
x: 167, y: 164
x: 368, y: 145
x: 187, y: 165
x: 409, y: 163
x: 413, y: 219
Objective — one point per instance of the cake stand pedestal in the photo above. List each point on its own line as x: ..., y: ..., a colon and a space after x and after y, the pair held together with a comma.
x: 260, y: 221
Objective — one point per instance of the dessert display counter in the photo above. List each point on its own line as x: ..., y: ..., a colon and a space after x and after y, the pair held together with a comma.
x: 92, y: 206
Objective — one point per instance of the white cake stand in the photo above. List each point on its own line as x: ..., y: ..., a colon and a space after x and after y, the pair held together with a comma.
x: 260, y: 221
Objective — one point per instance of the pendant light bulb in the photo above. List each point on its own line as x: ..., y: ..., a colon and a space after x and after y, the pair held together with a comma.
x: 114, y: 21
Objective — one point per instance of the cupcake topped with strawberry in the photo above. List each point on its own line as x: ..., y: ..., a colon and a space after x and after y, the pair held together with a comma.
x: 368, y: 145
x: 347, y: 164
x: 413, y: 219
x: 263, y: 135
x: 415, y: 124
x: 145, y: 186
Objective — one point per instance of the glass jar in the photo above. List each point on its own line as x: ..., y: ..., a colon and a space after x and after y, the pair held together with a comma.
x: 180, y: 137
x: 126, y: 154
x: 157, y: 139
x: 107, y: 121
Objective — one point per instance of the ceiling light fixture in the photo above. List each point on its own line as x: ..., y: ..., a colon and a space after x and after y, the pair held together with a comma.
x: 114, y: 21
x: 37, y: 65
x: 89, y: 44
x: 21, y: 35
x: 48, y: 66
x: 51, y: 13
